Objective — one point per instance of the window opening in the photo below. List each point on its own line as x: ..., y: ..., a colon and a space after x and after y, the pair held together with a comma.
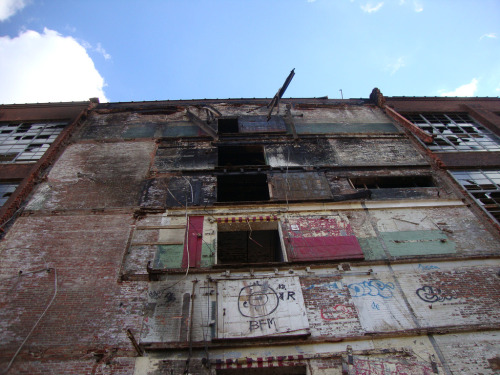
x: 392, y: 182
x: 248, y: 242
x: 6, y: 190
x: 242, y: 188
x: 455, y: 132
x: 27, y: 142
x: 484, y: 187
x: 227, y: 125
x: 241, y: 155
x: 275, y: 370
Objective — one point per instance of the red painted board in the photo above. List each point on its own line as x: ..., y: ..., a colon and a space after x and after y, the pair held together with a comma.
x: 324, y: 248
x: 193, y: 243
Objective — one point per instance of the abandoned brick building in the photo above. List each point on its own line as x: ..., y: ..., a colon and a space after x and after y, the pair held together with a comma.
x: 356, y: 236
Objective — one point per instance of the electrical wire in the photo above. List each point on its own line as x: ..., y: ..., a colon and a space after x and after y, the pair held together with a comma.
x: 36, y: 324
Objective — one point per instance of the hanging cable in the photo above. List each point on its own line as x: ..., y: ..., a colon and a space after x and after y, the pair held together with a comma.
x: 36, y: 324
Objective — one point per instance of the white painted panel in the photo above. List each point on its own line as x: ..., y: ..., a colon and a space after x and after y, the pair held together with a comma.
x: 260, y: 307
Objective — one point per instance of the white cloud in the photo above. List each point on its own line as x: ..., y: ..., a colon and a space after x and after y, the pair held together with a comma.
x: 468, y: 89
x: 417, y: 6
x: 311, y: 1
x: 370, y: 8
x: 47, y: 67
x: 10, y: 7
x: 394, y: 67
x: 490, y: 36
x: 102, y: 51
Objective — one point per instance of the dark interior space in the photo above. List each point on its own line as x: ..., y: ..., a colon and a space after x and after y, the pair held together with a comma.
x: 241, y: 155
x: 392, y: 182
x: 242, y: 188
x: 257, y: 246
x: 228, y: 125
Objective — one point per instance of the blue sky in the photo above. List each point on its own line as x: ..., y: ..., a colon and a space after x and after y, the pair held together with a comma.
x: 62, y: 50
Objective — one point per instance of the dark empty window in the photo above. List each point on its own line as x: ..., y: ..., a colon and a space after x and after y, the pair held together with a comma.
x: 256, y: 246
x: 241, y: 155
x: 392, y: 182
x: 275, y: 370
x: 242, y: 187
x: 228, y: 125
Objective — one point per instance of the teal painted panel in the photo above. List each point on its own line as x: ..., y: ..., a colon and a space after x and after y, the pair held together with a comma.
x: 207, y: 255
x: 139, y: 131
x: 372, y: 248
x: 334, y: 128
x: 421, y: 242
x: 169, y: 256
x: 180, y: 129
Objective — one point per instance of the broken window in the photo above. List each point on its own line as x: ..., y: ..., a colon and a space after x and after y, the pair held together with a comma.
x: 455, y: 132
x: 484, y: 187
x: 241, y: 155
x: 251, y: 124
x: 27, y: 142
x: 391, y: 182
x: 242, y: 188
x: 248, y: 242
x: 6, y: 190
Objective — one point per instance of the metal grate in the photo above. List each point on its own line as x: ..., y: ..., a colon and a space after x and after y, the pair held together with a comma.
x: 455, y: 132
x: 484, y: 187
x: 27, y: 142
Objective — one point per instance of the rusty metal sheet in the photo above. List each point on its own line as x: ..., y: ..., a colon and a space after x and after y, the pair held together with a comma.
x: 261, y: 307
x: 259, y: 124
x: 299, y: 186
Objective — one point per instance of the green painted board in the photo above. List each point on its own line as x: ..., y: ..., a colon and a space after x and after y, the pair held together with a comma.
x: 421, y: 242
x: 335, y: 128
x: 372, y: 248
x: 207, y: 255
x: 180, y: 129
x: 139, y: 131
x: 169, y: 256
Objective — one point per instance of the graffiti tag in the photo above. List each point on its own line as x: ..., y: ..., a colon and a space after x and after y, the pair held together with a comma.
x: 336, y: 312
x: 256, y: 301
x: 431, y: 294
x: 374, y: 288
x: 262, y: 323
x: 427, y: 267
x: 375, y: 306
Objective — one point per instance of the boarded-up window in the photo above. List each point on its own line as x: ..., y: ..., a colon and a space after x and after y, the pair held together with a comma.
x: 184, y: 158
x: 309, y: 239
x: 251, y: 124
x: 261, y: 307
x: 299, y: 186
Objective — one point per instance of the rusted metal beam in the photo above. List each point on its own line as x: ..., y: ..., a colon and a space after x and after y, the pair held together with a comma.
x: 419, y: 133
x: 134, y: 343
x: 279, y: 94
x: 201, y: 124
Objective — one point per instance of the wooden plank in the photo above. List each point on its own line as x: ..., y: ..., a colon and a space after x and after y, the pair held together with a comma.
x: 180, y: 226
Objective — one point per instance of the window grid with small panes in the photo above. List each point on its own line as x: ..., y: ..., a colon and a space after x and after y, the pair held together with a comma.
x: 455, y: 132
x: 27, y: 142
x: 484, y: 187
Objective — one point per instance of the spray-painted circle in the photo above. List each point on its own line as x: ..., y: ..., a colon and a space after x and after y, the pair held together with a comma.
x: 256, y: 301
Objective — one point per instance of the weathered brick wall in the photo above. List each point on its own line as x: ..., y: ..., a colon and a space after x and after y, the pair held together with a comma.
x: 95, y: 176
x: 91, y: 310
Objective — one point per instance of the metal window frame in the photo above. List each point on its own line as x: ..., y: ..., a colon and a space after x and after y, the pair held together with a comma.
x: 5, y: 188
x: 492, y: 186
x: 27, y: 142
x: 440, y: 124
